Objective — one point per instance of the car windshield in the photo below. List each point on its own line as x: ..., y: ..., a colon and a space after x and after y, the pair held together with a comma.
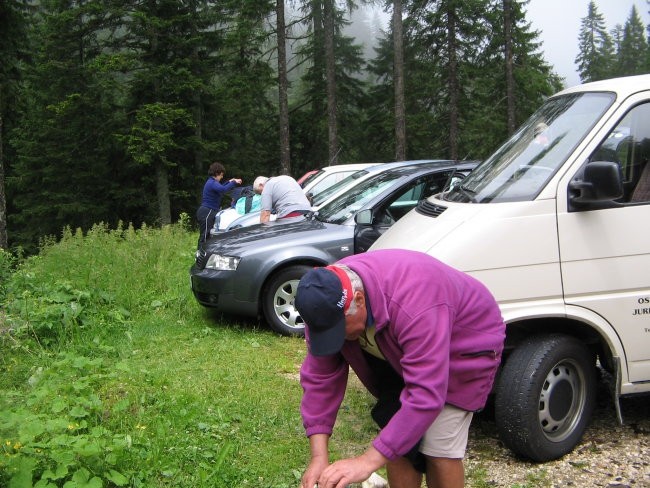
x: 520, y: 168
x: 321, y: 197
x: 346, y: 205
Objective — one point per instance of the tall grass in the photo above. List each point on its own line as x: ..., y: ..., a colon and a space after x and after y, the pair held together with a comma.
x: 112, y: 375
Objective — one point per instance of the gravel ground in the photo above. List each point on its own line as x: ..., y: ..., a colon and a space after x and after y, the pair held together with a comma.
x: 610, y: 454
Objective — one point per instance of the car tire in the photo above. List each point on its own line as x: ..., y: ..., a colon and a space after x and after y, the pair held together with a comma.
x: 277, y: 301
x: 545, y: 396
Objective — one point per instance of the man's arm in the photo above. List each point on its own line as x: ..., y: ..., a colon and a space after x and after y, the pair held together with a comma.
x: 265, y: 216
x: 318, y: 444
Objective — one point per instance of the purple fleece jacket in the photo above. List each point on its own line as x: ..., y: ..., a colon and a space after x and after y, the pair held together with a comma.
x: 439, y: 328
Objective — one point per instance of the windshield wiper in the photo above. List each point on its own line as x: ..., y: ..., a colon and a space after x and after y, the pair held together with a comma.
x: 467, y: 192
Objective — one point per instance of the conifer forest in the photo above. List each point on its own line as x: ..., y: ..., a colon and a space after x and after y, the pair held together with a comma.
x: 112, y: 110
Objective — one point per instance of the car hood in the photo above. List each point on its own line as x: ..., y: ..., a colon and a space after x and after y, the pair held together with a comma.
x: 241, y: 240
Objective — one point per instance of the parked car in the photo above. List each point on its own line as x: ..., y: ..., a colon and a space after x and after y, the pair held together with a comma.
x: 556, y: 226
x: 301, y: 181
x: 327, y: 176
x: 313, y: 185
x: 326, y: 195
x: 253, y: 271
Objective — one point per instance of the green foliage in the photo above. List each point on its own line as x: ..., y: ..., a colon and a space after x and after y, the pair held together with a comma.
x: 152, y: 135
x: 7, y: 263
x: 595, y: 59
x: 111, y: 375
x: 602, y: 55
x: 53, y: 436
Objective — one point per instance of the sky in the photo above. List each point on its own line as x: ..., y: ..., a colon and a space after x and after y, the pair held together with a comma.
x: 559, y: 24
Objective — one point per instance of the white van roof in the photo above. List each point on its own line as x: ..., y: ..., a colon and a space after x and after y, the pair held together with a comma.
x: 623, y: 87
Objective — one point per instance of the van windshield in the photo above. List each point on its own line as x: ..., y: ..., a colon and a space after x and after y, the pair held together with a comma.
x: 519, y: 170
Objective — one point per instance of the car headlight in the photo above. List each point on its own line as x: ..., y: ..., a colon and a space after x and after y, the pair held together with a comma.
x: 222, y: 263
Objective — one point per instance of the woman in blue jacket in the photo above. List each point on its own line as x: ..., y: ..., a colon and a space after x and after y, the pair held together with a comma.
x: 213, y: 192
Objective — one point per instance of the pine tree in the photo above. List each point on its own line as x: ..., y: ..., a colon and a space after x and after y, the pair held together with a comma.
x: 648, y: 38
x: 398, y: 77
x: 65, y: 150
x: 310, y: 121
x: 595, y: 58
x: 12, y: 50
x: 634, y: 47
x: 283, y: 88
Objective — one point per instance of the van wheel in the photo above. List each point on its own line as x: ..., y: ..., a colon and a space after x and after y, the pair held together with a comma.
x: 277, y: 301
x: 545, y: 396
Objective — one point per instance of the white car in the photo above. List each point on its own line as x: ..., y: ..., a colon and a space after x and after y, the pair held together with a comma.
x: 328, y: 194
x: 321, y: 180
x: 329, y: 175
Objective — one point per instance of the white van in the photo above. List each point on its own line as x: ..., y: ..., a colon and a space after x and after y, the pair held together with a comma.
x: 557, y: 224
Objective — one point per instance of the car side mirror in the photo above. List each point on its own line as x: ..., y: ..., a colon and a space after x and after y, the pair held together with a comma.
x: 601, y: 182
x: 363, y: 217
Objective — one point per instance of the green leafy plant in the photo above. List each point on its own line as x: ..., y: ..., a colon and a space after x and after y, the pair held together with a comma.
x: 55, y: 436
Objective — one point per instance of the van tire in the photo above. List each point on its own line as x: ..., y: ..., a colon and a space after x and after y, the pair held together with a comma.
x: 545, y: 396
x: 277, y: 301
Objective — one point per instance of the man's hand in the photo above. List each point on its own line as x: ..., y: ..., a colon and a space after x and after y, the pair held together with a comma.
x: 313, y: 471
x: 354, y: 470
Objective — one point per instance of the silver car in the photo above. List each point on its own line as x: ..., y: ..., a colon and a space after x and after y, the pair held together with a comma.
x: 253, y: 271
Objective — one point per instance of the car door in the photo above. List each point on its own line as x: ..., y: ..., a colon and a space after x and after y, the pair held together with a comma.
x: 396, y: 205
x: 606, y: 251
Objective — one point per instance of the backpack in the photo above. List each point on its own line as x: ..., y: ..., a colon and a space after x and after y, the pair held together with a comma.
x: 248, y: 201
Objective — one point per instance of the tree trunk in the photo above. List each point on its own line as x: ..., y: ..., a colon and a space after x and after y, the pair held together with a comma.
x: 283, y: 88
x: 398, y: 79
x: 162, y: 192
x: 330, y: 69
x: 452, y: 83
x: 510, y: 80
x: 197, y: 115
x: 4, y: 241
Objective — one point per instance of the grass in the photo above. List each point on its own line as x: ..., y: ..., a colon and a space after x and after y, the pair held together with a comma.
x: 112, y: 375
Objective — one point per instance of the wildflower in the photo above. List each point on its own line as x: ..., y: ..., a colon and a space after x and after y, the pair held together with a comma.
x: 141, y: 427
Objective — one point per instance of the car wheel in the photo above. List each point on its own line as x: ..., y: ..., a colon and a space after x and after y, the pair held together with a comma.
x: 277, y: 301
x: 545, y: 396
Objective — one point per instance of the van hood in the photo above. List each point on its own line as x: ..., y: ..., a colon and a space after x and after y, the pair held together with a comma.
x: 433, y: 226
x: 474, y: 237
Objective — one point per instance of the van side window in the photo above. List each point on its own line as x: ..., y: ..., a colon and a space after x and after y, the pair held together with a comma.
x: 629, y: 146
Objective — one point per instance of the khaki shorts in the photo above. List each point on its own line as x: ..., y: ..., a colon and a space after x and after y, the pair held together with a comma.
x: 447, y: 436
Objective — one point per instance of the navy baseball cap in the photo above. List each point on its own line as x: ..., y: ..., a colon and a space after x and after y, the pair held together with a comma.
x: 322, y: 298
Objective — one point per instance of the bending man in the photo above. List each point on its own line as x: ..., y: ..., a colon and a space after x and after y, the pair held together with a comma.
x: 281, y: 194
x: 423, y: 338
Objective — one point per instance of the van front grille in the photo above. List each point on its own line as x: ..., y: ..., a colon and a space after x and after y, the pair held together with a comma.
x: 430, y: 209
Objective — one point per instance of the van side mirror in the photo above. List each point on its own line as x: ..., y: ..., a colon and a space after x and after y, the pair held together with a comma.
x: 601, y: 182
x: 363, y: 217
